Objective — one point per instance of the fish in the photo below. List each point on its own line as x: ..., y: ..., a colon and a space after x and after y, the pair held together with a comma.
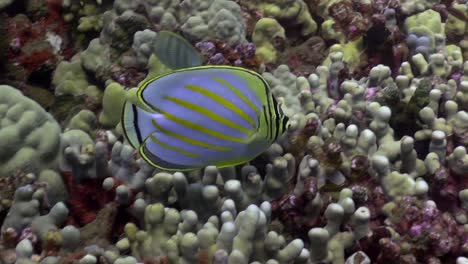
x: 198, y: 116
x: 195, y: 116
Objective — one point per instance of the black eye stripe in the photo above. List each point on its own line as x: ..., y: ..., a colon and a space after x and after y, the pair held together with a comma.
x: 285, y: 123
x: 267, y: 122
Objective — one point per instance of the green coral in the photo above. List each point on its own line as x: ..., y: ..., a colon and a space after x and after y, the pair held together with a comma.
x: 428, y: 23
x: 96, y: 57
x: 351, y: 53
x: 30, y: 136
x: 84, y: 18
x: 120, y: 28
x: 70, y: 78
x: 407, y: 113
x: 213, y: 19
x: 429, y: 19
x: 55, y: 189
x: 329, y: 32
x: 296, y: 11
x: 414, y: 6
x: 264, y: 35
x: 112, y: 103
x: 84, y: 120
x: 456, y: 25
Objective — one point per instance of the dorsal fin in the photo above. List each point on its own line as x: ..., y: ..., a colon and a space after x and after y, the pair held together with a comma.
x: 175, y: 51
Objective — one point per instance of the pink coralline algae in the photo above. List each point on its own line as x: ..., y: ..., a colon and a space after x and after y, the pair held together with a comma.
x: 426, y: 229
x: 35, y: 44
x: 217, y: 53
x: 290, y: 209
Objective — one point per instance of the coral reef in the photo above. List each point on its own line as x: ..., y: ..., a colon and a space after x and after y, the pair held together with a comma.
x: 372, y: 168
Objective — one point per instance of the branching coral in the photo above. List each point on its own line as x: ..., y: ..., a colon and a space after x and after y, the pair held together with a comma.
x: 372, y: 167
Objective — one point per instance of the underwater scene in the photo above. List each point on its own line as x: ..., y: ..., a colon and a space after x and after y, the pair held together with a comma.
x: 234, y: 131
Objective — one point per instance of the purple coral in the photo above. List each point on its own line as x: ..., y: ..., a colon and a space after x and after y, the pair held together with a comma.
x: 430, y: 229
x: 218, y: 53
x: 206, y: 48
x: 217, y: 59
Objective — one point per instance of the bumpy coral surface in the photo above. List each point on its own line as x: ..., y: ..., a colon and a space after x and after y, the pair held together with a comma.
x: 373, y: 167
x: 30, y: 135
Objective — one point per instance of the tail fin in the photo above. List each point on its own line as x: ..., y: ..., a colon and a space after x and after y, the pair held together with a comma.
x: 130, y: 125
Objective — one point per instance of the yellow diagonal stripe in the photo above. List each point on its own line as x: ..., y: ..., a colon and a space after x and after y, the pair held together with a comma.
x: 167, y: 146
x: 208, y: 113
x: 188, y: 140
x: 237, y: 92
x: 197, y: 127
x: 220, y: 100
